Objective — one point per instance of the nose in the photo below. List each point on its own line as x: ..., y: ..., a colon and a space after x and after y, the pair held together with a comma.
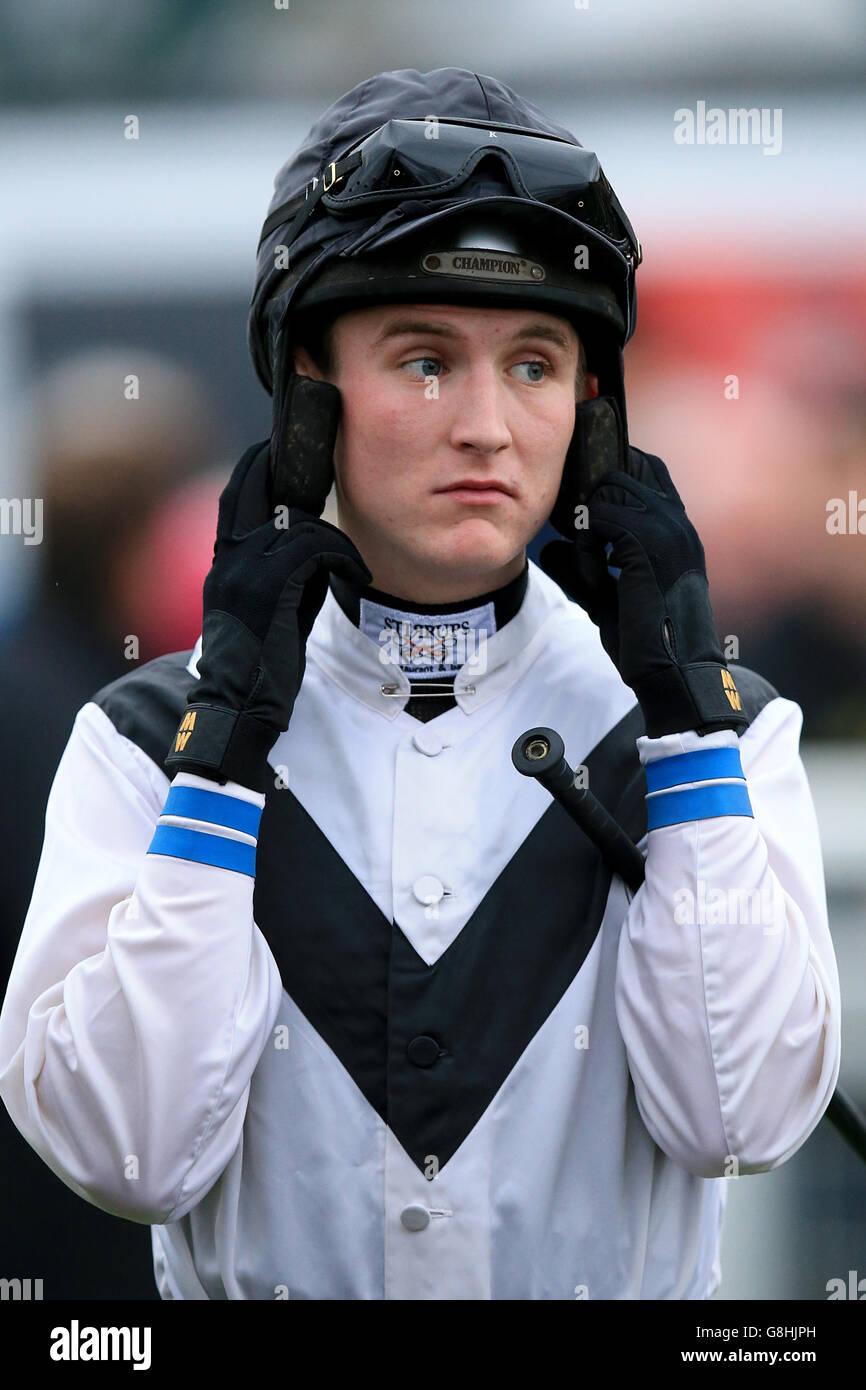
x: 479, y: 409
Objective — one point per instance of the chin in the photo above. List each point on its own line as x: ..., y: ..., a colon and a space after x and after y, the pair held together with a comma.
x: 477, y: 546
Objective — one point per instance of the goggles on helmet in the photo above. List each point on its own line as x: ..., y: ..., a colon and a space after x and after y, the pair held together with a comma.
x: 432, y: 158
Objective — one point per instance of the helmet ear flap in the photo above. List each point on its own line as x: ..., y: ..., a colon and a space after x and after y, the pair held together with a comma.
x: 599, y: 441
x: 598, y: 444
x: 305, y: 420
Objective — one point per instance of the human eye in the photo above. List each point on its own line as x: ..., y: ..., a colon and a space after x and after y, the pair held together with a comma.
x: 426, y: 361
x: 536, y: 362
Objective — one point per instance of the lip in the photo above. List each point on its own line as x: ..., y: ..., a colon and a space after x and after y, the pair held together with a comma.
x: 476, y: 490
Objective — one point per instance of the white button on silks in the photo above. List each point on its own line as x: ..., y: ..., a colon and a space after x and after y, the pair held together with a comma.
x: 428, y: 888
x: 429, y: 742
x: 415, y: 1218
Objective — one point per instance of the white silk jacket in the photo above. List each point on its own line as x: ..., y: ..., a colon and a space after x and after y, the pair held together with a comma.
x: 392, y: 1030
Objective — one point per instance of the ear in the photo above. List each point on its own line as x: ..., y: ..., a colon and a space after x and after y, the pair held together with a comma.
x: 304, y: 364
x: 591, y: 386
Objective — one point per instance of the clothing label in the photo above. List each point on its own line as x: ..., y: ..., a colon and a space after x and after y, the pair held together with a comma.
x: 429, y: 646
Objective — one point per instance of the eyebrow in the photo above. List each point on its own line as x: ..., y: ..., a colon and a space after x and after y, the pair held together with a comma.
x: 425, y: 327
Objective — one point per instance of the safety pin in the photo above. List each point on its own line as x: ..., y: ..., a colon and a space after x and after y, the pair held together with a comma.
x: 444, y: 687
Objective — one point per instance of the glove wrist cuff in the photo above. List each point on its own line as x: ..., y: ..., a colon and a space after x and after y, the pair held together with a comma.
x: 701, y: 696
x: 222, y: 744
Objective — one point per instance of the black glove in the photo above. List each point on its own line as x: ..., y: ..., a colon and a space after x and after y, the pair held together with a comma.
x: 262, y: 594
x: 639, y: 571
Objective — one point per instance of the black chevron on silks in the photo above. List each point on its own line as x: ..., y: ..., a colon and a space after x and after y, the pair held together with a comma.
x: 356, y: 977
x: 367, y: 992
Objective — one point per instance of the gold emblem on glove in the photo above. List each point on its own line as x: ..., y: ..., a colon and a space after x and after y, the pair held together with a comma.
x: 731, y: 690
x: 184, y: 731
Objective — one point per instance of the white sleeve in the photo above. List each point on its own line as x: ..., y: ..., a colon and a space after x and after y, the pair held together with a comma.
x: 142, y: 993
x: 727, y: 990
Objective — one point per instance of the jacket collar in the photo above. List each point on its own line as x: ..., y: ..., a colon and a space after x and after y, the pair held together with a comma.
x: 361, y: 666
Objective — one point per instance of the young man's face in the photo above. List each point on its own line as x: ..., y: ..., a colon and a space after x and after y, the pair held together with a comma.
x: 500, y: 411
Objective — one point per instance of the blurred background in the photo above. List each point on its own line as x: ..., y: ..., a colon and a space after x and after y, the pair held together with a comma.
x: 127, y: 394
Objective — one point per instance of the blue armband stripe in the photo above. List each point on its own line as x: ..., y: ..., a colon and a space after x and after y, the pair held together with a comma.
x: 702, y: 765
x: 197, y: 804
x: 697, y: 803
x: 197, y: 845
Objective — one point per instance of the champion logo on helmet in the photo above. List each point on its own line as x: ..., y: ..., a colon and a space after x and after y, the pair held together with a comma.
x: 480, y: 265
